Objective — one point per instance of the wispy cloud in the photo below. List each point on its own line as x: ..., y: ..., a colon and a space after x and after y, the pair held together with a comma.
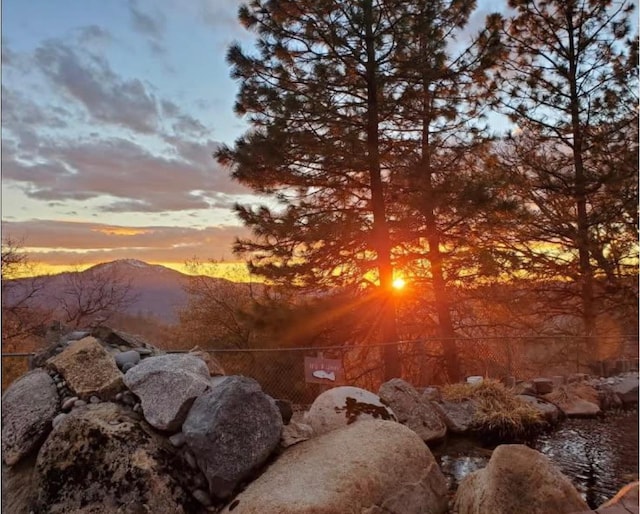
x: 150, y: 24
x: 62, y: 242
x: 89, y: 79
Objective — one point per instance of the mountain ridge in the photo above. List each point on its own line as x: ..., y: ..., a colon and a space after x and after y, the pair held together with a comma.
x: 156, y: 291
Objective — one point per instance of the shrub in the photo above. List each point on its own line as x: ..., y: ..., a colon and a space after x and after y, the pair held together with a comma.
x: 499, y: 413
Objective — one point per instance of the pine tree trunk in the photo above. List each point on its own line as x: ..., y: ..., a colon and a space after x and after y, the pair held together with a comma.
x: 582, y: 221
x: 382, y: 241
x: 441, y: 297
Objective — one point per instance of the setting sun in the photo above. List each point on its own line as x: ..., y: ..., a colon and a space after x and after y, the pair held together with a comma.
x: 398, y: 283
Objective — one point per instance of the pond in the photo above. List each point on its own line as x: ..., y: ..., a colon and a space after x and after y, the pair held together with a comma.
x: 599, y: 455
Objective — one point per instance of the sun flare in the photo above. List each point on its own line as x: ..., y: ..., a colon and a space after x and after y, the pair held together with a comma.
x: 398, y: 283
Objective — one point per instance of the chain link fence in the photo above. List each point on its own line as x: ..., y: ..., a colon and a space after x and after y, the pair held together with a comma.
x: 281, y: 371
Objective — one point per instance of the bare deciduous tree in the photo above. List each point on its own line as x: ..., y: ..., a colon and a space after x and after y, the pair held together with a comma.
x: 93, y: 296
x: 21, y: 315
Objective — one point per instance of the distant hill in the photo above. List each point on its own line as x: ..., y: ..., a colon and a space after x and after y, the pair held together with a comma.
x: 158, y: 291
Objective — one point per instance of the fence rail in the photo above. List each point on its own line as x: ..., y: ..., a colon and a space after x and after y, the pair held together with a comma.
x: 281, y: 371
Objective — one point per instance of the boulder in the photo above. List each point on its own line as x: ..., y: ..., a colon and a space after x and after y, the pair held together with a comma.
x: 341, y: 406
x: 100, y: 459
x: 410, y: 410
x: 458, y: 416
x: 625, y: 502
x: 576, y: 400
x: 18, y: 486
x: 370, y: 467
x: 543, y: 385
x: 88, y: 369
x: 28, y: 408
x: 517, y: 479
x: 607, y: 397
x: 549, y: 412
x: 167, y: 386
x: 627, y: 389
x: 123, y: 341
x: 232, y: 429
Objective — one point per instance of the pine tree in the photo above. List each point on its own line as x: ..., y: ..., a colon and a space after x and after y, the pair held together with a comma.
x: 316, y: 96
x: 570, y: 85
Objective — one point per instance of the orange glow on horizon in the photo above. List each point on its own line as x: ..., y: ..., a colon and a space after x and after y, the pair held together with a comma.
x: 233, y: 271
x: 122, y: 231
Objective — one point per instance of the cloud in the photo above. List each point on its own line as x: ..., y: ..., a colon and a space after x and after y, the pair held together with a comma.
x: 89, y: 79
x: 62, y: 242
x: 136, y: 179
x: 150, y: 25
x: 61, y: 146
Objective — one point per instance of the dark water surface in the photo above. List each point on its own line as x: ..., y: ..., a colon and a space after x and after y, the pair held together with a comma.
x: 598, y: 455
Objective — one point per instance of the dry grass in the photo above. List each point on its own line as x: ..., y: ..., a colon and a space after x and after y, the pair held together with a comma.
x: 500, y: 413
x: 571, y: 392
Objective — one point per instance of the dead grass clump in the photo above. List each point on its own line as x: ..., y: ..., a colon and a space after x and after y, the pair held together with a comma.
x: 571, y: 392
x: 499, y: 413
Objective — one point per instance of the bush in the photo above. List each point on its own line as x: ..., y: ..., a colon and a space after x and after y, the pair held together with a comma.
x: 499, y: 413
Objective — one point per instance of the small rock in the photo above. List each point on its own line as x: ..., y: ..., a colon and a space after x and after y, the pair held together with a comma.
x: 119, y: 397
x: 137, y: 408
x: 129, y: 399
x: 294, y: 433
x: 67, y: 403
x: 79, y: 403
x: 58, y: 419
x: 177, y: 440
x: 190, y: 459
x: 543, y: 385
x: 127, y: 366
x: 431, y: 394
x: 94, y: 399
x: 202, y: 496
x: 127, y: 357
x: 285, y: 410
x: 144, y: 351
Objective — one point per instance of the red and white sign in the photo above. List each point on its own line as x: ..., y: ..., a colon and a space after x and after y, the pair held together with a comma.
x: 318, y: 370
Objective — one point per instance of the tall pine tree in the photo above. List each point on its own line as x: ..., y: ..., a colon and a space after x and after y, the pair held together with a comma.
x: 316, y: 96
x: 570, y: 85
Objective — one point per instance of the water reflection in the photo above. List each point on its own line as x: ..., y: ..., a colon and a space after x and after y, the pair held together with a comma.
x: 599, y: 455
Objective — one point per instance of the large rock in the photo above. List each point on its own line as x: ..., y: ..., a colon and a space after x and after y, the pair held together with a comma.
x: 28, y: 408
x: 101, y: 460
x: 549, y: 412
x: 18, y: 486
x: 517, y: 479
x: 370, y: 467
x: 625, y: 502
x: 410, y: 410
x: 627, y: 389
x: 167, y: 386
x: 341, y: 406
x: 458, y: 416
x: 232, y: 429
x: 88, y: 369
x: 576, y: 400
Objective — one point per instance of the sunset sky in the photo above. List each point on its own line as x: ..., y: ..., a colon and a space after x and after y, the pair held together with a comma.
x: 110, y: 113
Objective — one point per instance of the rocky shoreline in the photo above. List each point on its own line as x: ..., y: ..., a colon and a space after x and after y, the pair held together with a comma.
x: 108, y: 423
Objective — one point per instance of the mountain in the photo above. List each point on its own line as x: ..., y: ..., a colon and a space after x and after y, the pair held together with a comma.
x: 156, y: 291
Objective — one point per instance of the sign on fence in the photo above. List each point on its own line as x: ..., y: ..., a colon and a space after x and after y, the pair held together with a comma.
x: 318, y: 370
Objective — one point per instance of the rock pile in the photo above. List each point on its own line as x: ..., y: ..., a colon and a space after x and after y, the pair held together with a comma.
x: 106, y: 423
